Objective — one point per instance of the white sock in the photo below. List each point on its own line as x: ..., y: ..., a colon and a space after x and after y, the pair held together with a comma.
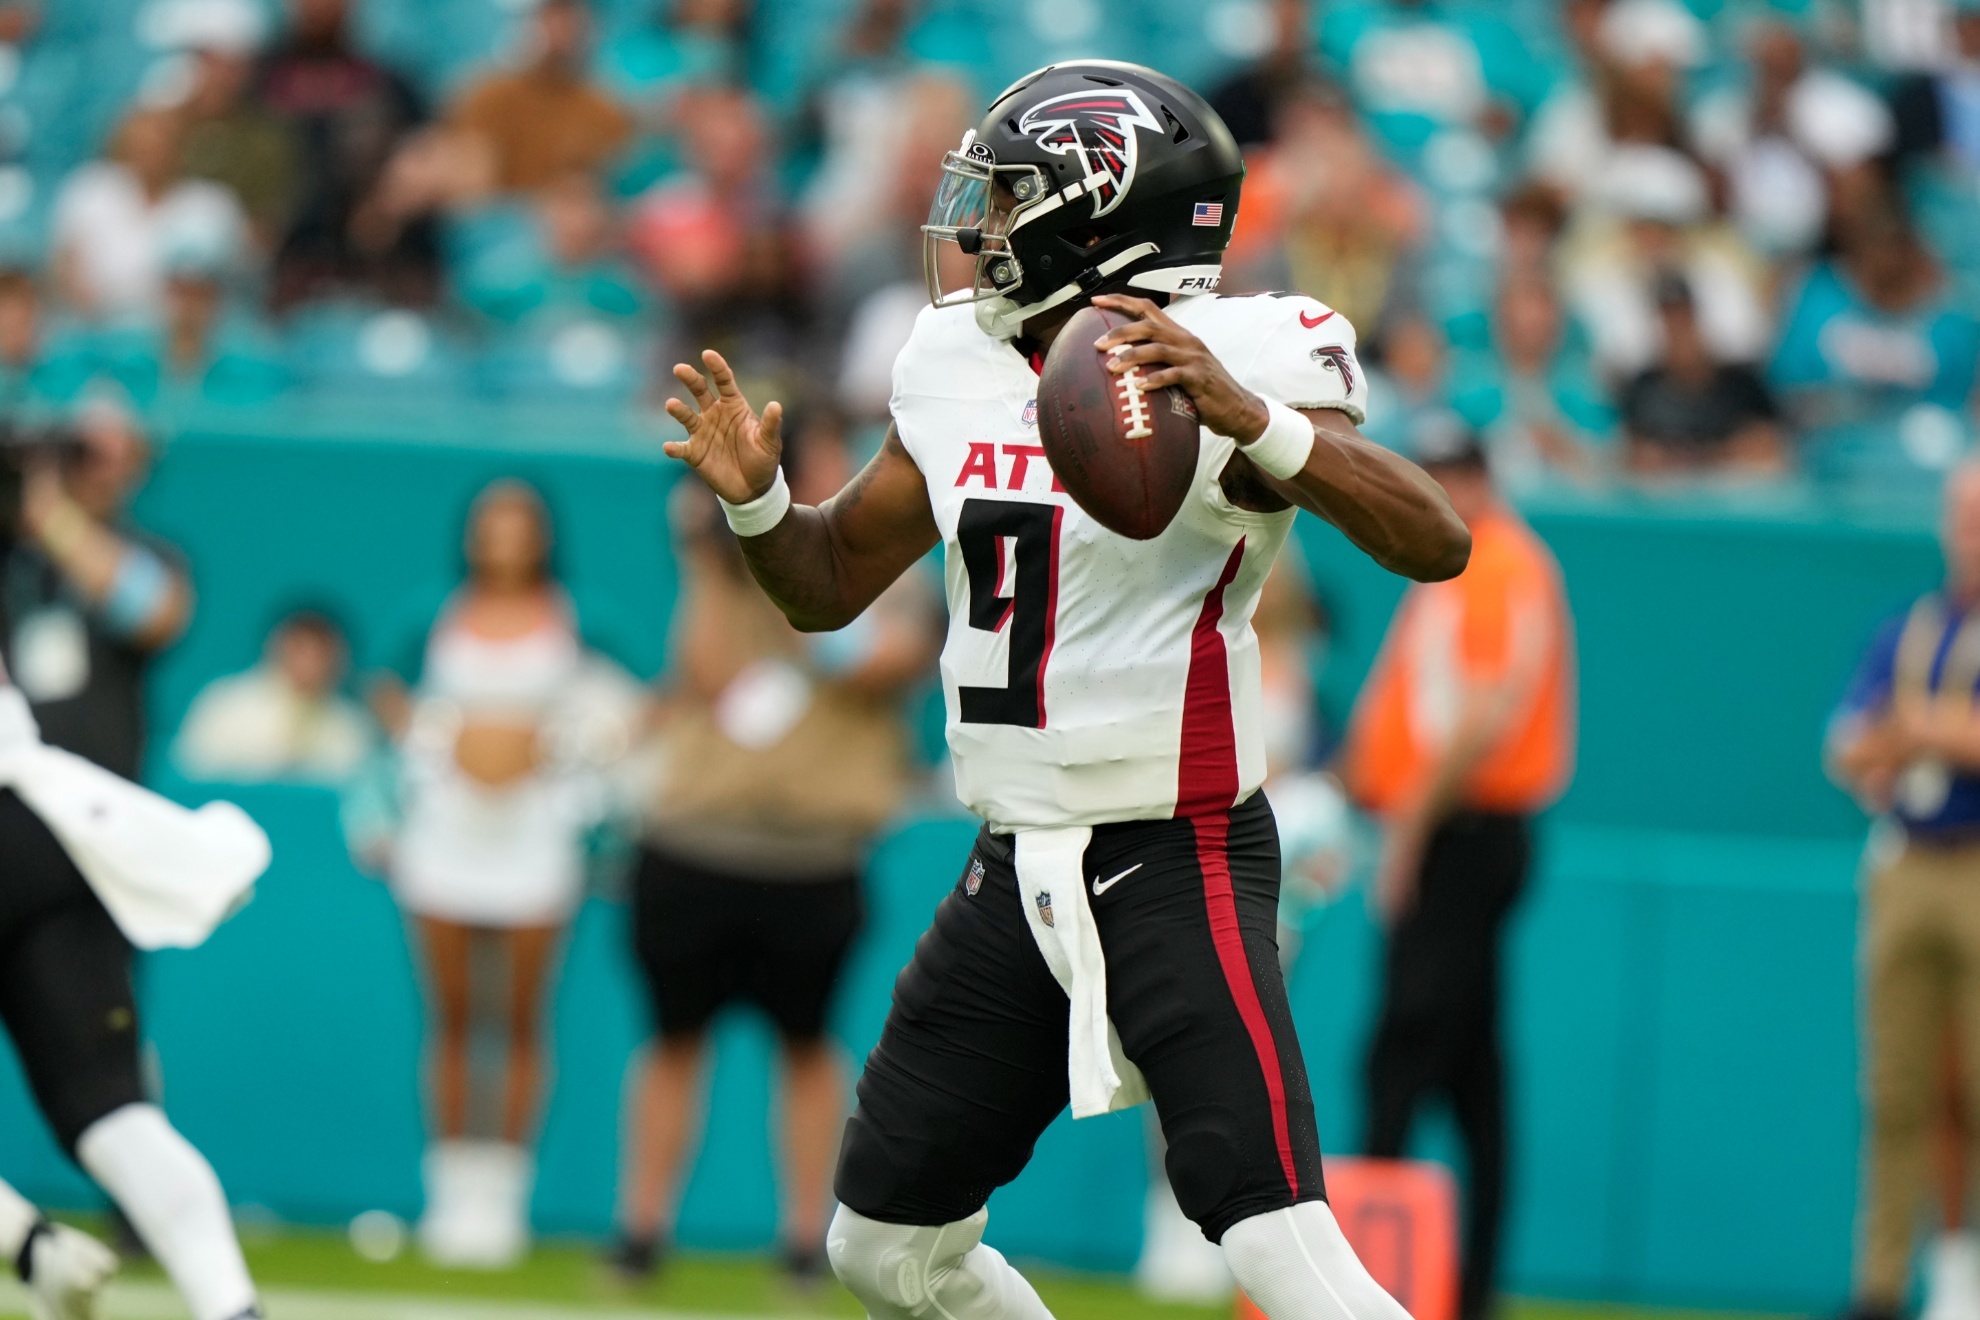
x: 1296, y: 1265
x: 174, y: 1200
x: 17, y: 1216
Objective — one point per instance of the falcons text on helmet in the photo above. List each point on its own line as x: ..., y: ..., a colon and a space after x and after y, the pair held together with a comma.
x: 1097, y: 129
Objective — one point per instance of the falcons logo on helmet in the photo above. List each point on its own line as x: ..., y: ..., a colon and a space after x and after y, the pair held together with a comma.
x: 1097, y: 129
x: 1333, y: 355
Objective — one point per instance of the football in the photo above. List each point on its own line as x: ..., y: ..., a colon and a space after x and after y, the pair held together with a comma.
x: 1126, y: 454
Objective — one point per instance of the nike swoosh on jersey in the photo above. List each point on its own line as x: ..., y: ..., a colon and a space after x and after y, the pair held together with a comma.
x: 1317, y: 321
x: 1102, y: 886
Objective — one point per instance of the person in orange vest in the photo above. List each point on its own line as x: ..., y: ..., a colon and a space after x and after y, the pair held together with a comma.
x: 1464, y: 731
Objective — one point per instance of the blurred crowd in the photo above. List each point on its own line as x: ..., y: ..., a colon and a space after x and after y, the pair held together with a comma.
x: 1626, y: 239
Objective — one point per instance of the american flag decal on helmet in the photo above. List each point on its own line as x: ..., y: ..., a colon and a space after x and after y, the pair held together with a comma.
x: 1097, y: 129
x: 1208, y: 214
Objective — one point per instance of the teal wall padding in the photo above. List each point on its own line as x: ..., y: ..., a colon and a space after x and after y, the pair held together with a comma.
x: 1681, y: 1007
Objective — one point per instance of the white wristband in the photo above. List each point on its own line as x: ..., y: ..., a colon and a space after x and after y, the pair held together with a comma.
x: 1287, y: 441
x: 762, y: 513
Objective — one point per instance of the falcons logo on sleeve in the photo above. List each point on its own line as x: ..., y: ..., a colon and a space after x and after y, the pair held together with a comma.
x: 1097, y: 129
x: 1333, y: 355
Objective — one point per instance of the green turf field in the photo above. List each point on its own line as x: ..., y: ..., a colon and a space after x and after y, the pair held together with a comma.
x: 316, y: 1276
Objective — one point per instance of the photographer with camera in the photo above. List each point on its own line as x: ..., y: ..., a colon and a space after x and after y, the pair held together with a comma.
x: 85, y: 600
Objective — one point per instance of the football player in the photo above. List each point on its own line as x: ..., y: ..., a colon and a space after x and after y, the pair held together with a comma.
x: 1113, y: 930
x: 67, y: 1002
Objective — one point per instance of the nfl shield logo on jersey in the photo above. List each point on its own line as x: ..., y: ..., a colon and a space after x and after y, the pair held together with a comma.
x: 973, y: 881
x: 1044, y: 901
x: 1030, y: 415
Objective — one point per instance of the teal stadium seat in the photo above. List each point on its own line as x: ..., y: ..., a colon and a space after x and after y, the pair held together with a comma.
x: 364, y: 354
x: 567, y: 358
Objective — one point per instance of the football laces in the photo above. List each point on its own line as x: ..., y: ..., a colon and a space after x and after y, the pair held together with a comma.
x: 1133, y: 400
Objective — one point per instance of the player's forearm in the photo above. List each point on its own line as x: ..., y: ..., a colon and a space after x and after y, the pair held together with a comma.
x: 823, y: 566
x: 800, y: 568
x: 1382, y: 502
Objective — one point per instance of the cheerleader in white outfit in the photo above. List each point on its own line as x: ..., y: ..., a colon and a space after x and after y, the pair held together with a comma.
x: 501, y: 742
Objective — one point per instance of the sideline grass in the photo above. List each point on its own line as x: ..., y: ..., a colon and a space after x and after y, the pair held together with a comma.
x: 311, y: 1269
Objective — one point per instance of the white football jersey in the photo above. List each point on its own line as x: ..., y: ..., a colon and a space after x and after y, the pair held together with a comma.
x: 1090, y: 677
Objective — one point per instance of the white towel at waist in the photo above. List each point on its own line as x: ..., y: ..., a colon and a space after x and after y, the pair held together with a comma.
x: 167, y: 875
x: 1051, y: 876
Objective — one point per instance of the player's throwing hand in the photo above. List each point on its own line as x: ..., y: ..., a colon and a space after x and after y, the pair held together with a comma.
x: 1171, y: 355
x: 732, y: 449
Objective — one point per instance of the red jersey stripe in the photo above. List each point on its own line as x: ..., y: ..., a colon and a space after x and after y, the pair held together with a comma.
x: 1207, y: 777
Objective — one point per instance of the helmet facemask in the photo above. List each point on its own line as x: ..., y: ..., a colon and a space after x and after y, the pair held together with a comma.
x: 976, y: 206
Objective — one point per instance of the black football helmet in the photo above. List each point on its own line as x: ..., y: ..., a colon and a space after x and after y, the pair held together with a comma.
x: 1084, y: 178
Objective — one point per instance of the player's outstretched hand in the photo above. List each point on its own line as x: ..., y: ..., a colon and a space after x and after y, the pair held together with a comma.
x: 728, y: 445
x: 1171, y: 355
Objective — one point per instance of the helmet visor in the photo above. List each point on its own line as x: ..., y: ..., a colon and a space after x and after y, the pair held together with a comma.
x: 963, y: 199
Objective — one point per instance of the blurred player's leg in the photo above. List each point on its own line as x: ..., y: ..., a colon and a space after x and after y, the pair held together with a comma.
x: 174, y: 1200
x: 62, y: 1268
x: 65, y: 995
x: 904, y: 1272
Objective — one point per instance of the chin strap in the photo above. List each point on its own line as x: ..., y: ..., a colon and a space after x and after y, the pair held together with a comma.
x: 1001, y: 318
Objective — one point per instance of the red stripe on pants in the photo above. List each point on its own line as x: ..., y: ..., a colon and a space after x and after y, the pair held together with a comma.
x: 1213, y: 857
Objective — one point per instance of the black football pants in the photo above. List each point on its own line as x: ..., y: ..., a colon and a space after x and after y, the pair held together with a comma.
x: 65, y: 981
x: 972, y: 1064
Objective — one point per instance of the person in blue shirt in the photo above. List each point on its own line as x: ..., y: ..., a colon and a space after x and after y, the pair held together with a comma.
x: 1876, y: 363
x: 1906, y: 742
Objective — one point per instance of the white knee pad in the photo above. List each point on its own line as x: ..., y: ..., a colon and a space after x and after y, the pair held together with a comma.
x: 1297, y: 1265
x: 906, y: 1272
